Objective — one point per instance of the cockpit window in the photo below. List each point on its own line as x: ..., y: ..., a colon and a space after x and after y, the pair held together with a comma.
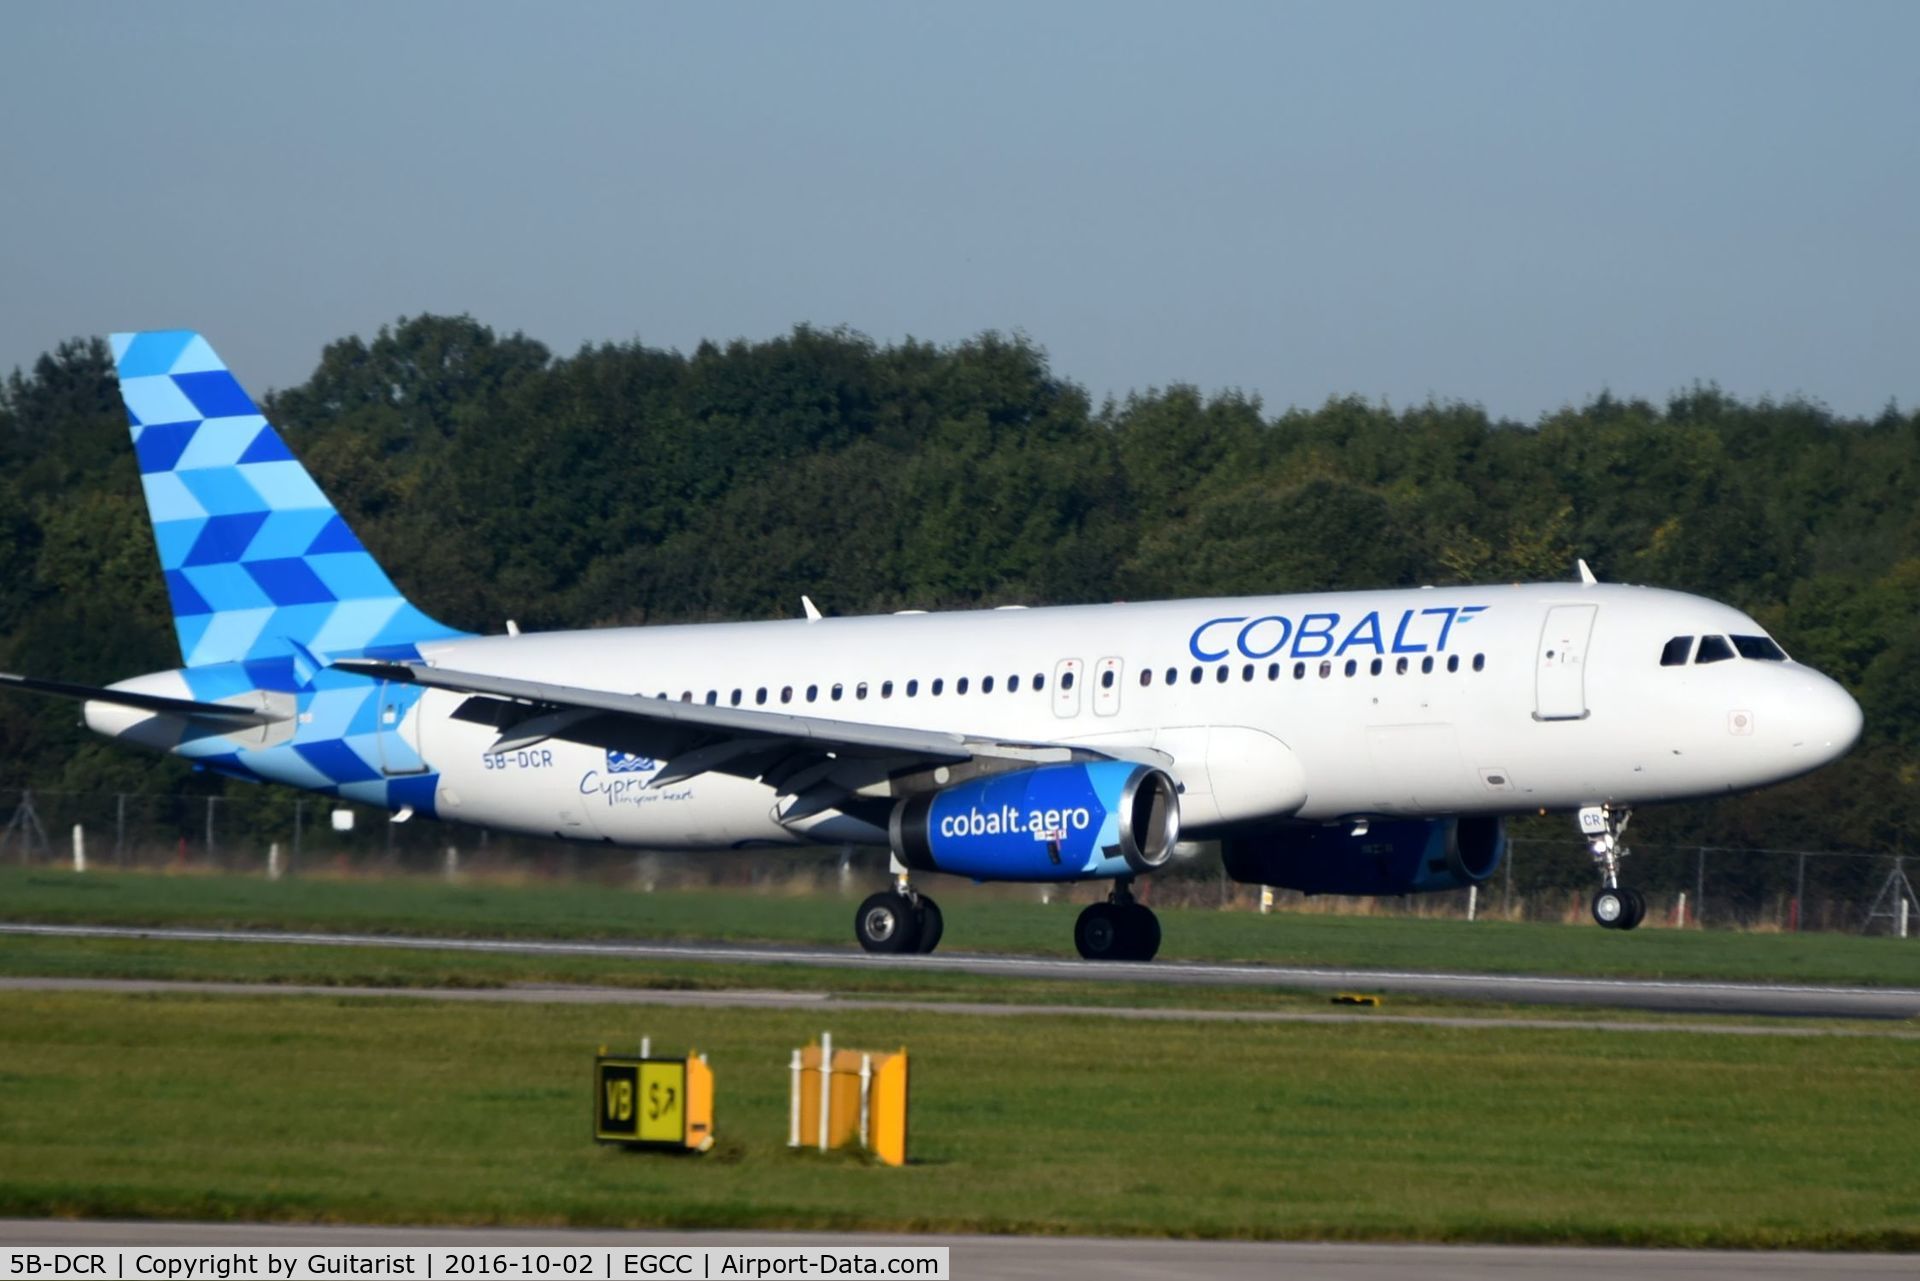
x: 1675, y: 654
x: 1760, y: 647
x: 1713, y: 649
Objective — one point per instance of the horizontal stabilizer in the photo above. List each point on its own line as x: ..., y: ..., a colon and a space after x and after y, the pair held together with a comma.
x: 144, y: 702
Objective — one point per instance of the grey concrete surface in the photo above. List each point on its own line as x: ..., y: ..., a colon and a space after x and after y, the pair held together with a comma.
x: 1678, y: 995
x: 1053, y: 1258
x: 581, y: 994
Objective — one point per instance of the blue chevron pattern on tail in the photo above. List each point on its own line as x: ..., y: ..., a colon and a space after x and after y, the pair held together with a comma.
x: 258, y: 562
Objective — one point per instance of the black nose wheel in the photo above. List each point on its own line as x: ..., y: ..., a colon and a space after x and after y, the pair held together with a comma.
x: 1616, y: 907
x: 889, y: 922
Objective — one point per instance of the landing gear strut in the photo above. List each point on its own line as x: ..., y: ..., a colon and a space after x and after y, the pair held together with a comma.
x: 899, y: 920
x: 1119, y: 929
x: 1615, y: 906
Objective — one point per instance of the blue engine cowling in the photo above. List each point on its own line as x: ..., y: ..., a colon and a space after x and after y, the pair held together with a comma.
x: 1400, y: 857
x: 1055, y: 823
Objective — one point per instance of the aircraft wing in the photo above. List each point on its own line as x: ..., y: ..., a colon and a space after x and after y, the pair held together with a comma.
x: 227, y: 712
x: 824, y: 763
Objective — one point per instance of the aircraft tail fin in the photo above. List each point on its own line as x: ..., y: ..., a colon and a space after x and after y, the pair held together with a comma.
x: 258, y: 563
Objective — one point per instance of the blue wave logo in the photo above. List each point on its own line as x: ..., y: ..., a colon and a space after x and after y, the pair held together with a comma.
x: 625, y: 763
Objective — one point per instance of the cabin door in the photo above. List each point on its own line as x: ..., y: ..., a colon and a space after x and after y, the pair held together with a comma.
x: 1560, y: 680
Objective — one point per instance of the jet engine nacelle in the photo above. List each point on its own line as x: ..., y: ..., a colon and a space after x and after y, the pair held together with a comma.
x: 1084, y: 821
x: 1400, y: 857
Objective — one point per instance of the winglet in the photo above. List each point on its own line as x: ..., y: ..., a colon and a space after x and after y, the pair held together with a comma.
x: 1586, y: 575
x: 813, y: 610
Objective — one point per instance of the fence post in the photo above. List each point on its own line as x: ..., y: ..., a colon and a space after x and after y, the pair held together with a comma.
x: 1506, y: 899
x: 1700, y: 887
x: 80, y: 865
x: 120, y: 828
x: 211, y: 801
x: 1800, y: 894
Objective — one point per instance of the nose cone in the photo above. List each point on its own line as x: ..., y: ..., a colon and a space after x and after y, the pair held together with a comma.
x: 1826, y: 721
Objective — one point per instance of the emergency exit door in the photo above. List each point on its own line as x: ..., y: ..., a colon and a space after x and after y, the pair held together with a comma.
x: 1560, y: 681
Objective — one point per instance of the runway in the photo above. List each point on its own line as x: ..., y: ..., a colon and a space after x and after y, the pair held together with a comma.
x: 1662, y: 995
x: 583, y: 994
x: 1011, y: 1258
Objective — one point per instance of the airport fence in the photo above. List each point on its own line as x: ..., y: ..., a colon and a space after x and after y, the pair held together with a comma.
x: 270, y: 831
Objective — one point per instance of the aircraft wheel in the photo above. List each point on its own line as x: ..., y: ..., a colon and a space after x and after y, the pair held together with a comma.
x: 887, y: 922
x: 1100, y: 933
x: 932, y: 924
x: 1612, y: 908
x: 1143, y: 932
x: 1636, y: 909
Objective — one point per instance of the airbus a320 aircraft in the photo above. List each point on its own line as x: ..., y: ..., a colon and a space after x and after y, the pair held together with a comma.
x: 1337, y: 743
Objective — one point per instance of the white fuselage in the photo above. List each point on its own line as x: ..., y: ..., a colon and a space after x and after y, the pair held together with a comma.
x: 1486, y: 701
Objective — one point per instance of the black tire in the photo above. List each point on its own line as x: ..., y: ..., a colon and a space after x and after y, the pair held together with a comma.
x: 932, y: 925
x: 1100, y: 933
x: 887, y: 922
x: 1636, y: 909
x: 1143, y: 932
x: 1611, y: 907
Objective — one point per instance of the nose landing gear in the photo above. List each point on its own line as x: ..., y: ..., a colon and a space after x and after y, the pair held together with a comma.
x: 1615, y: 907
x: 1119, y: 929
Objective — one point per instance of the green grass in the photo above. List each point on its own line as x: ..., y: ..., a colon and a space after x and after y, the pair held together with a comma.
x: 388, y: 1110
x: 172, y: 960
x: 975, y: 921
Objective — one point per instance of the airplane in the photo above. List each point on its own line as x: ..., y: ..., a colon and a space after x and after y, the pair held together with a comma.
x: 1358, y: 743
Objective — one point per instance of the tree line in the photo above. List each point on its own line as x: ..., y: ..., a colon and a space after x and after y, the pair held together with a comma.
x: 628, y: 484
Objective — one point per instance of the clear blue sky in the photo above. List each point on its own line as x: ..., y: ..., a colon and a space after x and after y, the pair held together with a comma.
x: 1517, y: 204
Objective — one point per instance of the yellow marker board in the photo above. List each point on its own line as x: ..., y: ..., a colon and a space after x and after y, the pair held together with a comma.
x: 655, y: 1103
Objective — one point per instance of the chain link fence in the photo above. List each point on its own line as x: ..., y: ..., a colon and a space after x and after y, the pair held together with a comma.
x: 272, y: 831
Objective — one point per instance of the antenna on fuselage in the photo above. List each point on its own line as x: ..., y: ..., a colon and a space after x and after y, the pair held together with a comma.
x: 813, y: 610
x: 1586, y: 575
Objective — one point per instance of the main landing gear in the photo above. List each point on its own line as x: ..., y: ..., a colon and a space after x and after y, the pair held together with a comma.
x: 899, y: 920
x: 1615, y: 906
x: 1119, y: 929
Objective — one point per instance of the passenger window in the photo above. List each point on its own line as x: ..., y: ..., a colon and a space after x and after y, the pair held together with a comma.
x: 1760, y: 647
x: 860, y: 690
x: 938, y: 685
x: 960, y: 686
x: 1479, y: 662
x: 713, y: 697
x: 1373, y: 668
x: 986, y: 684
x: 1220, y: 674
x: 837, y: 692
x: 1246, y: 673
x: 813, y: 693
x: 913, y: 687
x: 760, y: 695
x: 1676, y: 651
x: 1173, y: 676
x: 1426, y: 665
x: 1299, y: 671
x: 686, y: 696
x: 1453, y: 662
x: 1013, y: 684
x: 1106, y: 679
x: 1146, y: 677
x: 1194, y: 676
x: 1273, y: 671
x: 1066, y: 681
x: 1039, y: 682
x: 886, y: 689
x: 1713, y: 649
x: 1400, y: 667
x: 786, y: 693
x: 735, y: 699
x: 1326, y: 668
x: 1352, y: 666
